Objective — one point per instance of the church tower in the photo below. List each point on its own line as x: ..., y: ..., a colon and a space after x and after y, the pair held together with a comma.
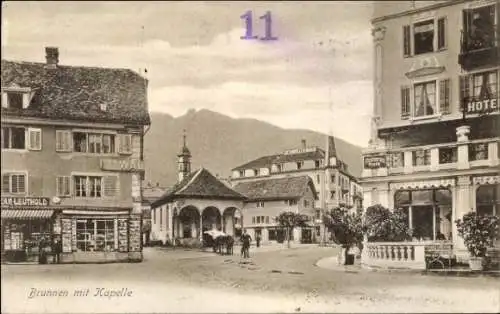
x: 184, y: 160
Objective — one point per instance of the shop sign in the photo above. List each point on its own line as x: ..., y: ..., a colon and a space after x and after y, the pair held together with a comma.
x: 374, y: 161
x: 482, y: 106
x: 25, y: 201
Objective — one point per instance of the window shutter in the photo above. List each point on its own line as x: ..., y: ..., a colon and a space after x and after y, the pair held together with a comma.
x: 464, y: 91
x: 63, y: 141
x: 18, y: 183
x: 110, y: 185
x: 5, y: 183
x: 125, y: 143
x: 63, y: 186
x: 444, y: 96
x: 34, y: 139
x: 406, y: 41
x: 441, y: 33
x: 405, y: 102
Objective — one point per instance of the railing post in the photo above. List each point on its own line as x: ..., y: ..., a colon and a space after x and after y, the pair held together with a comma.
x: 434, y: 159
x: 408, y: 157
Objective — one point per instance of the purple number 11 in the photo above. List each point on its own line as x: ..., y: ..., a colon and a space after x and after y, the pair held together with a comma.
x: 248, y: 22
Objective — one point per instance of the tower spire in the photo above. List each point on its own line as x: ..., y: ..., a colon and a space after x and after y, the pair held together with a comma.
x: 184, y: 159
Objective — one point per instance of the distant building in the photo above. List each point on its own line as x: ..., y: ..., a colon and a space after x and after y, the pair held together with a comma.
x: 434, y: 147
x: 150, y: 194
x: 199, y: 202
x: 72, y: 160
x: 267, y: 198
x: 334, y: 184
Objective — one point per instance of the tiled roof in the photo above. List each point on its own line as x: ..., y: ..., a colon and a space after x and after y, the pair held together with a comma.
x: 268, y: 161
x: 199, y: 184
x: 77, y: 93
x: 149, y: 195
x: 283, y: 188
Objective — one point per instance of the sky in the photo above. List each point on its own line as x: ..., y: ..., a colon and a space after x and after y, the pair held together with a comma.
x: 316, y: 75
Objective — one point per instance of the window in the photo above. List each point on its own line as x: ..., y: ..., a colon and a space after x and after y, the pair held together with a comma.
x: 306, y: 203
x: 405, y: 102
x: 267, y: 219
x: 479, y: 28
x: 242, y: 173
x: 478, y: 91
x: 487, y: 200
x: 13, y: 138
x: 423, y: 37
x: 125, y: 143
x: 332, y: 178
x: 14, y: 183
x: 63, y: 140
x: 256, y: 172
x: 425, y: 99
x: 63, y: 186
x: 318, y: 214
x: 253, y: 219
x: 260, y: 204
x: 92, y: 186
x: 272, y: 235
x: 280, y: 168
x: 332, y: 195
x: 317, y: 164
x: 95, y: 235
x: 421, y: 157
x: 300, y: 164
x: 317, y: 178
x: 93, y: 143
x: 291, y: 202
x: 15, y: 100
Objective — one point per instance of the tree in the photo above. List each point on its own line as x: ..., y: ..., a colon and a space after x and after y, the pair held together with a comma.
x: 289, y: 220
x: 384, y: 225
x: 346, y: 227
x: 478, y: 232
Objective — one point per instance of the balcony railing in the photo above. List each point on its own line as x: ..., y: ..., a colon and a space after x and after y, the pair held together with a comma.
x: 406, y: 255
x: 478, y: 52
x: 457, y: 155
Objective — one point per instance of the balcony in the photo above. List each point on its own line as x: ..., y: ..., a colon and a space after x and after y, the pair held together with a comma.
x: 432, y: 158
x: 122, y: 165
x: 475, y: 53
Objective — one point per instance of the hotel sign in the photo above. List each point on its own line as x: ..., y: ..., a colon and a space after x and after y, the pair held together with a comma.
x: 482, y: 106
x: 375, y: 161
x: 25, y: 201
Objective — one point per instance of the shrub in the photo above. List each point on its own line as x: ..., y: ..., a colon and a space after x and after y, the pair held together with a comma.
x: 478, y: 231
x: 346, y: 227
x: 383, y: 225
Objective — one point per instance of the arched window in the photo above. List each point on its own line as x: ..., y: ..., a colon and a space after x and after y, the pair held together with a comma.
x: 487, y: 201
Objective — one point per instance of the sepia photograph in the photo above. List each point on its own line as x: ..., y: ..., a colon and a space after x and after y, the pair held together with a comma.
x: 250, y: 156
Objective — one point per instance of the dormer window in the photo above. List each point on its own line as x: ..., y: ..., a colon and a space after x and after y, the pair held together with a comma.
x: 16, y: 97
x: 103, y: 107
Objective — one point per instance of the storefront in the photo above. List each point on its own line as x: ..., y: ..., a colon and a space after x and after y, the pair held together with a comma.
x: 25, y: 222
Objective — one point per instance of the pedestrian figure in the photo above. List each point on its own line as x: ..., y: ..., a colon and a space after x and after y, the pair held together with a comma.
x: 257, y: 239
x: 57, y: 249
x: 42, y: 256
x: 245, y: 248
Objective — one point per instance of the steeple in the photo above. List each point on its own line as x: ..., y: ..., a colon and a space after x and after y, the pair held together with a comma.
x: 330, y: 152
x: 184, y: 160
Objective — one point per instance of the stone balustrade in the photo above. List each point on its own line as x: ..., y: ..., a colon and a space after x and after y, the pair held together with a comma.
x: 403, y: 255
x: 457, y: 155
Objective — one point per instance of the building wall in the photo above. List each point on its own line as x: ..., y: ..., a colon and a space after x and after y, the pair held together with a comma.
x: 45, y: 165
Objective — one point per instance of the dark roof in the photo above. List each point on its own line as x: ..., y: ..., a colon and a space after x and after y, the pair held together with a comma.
x: 283, y: 188
x: 199, y: 184
x: 267, y: 161
x: 76, y: 93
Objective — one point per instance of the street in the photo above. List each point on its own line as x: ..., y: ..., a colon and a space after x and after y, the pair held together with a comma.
x: 273, y: 280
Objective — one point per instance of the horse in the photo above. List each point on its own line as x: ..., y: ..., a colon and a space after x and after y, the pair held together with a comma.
x: 229, y: 244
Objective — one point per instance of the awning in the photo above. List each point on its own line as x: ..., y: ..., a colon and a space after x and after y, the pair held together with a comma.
x: 26, y: 214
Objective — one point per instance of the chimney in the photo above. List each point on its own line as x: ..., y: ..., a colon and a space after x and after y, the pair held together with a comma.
x: 52, y: 57
x: 303, y: 144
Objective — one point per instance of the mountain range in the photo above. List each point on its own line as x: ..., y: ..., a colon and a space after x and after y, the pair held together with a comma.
x: 220, y: 143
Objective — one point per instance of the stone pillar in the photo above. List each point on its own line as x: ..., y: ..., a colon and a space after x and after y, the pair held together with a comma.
x: 434, y: 159
x: 462, y: 205
x: 297, y: 234
x: 493, y: 154
x: 134, y: 238
x: 384, y: 196
x: 194, y: 231
x: 408, y: 158
x: 122, y: 235
x: 265, y: 235
x: 200, y: 235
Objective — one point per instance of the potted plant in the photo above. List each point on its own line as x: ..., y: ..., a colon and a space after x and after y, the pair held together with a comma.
x: 478, y: 232
x: 346, y: 229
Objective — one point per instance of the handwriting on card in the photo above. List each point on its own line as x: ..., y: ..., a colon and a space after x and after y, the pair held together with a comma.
x: 249, y: 26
